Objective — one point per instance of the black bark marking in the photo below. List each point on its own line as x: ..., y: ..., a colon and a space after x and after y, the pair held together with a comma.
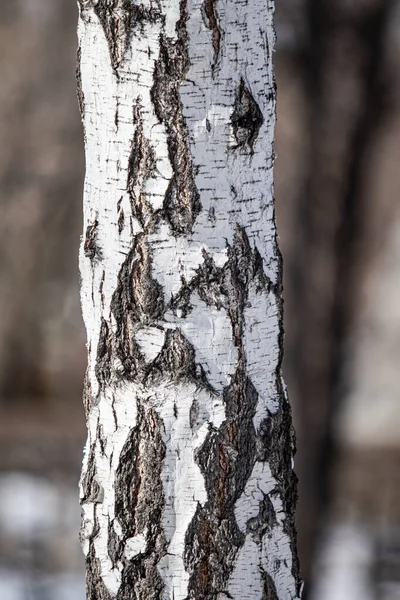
x: 180, y: 302
x: 139, y: 504
x: 277, y: 446
x: 104, y: 351
x: 146, y: 294
x: 121, y: 216
x: 182, y: 199
x: 88, y: 483
x: 211, y: 21
x: 115, y: 547
x: 141, y: 580
x: 119, y: 19
x: 209, y: 285
x: 226, y: 460
x: 138, y: 299
x: 79, y: 91
x: 176, y: 361
x: 100, y: 437
x: 138, y: 476
x: 116, y: 115
x: 228, y: 455
x: 269, y: 591
x: 87, y: 395
x: 121, y: 221
x: 90, y: 248
x: 246, y: 118
x: 263, y: 282
x: 194, y: 413
x: 142, y: 166
x: 264, y: 521
x: 211, y: 546
x: 211, y: 215
x: 95, y: 588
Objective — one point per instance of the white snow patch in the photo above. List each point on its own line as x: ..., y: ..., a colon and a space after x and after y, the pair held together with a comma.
x: 345, y: 564
x: 28, y: 505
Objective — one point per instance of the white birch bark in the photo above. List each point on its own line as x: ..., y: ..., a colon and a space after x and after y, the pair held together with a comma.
x: 187, y: 487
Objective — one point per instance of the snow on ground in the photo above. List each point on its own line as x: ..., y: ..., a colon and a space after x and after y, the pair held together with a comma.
x: 40, y: 556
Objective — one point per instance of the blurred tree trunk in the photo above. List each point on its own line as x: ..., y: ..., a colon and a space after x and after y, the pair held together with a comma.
x: 187, y: 487
x: 40, y: 218
x: 344, y: 83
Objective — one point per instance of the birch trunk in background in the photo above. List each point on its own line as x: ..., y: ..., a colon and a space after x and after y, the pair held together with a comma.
x: 187, y: 487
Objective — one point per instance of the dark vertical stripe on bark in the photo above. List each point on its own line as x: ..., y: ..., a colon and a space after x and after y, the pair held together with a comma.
x: 182, y: 200
x: 139, y: 502
x: 211, y: 20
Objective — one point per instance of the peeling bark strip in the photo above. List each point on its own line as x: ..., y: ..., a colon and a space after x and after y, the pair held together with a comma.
x: 187, y: 488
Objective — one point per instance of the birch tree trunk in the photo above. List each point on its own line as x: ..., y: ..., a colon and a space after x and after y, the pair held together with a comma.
x: 187, y: 487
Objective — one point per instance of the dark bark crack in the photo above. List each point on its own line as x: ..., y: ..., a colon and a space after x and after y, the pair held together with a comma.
x: 142, y: 167
x: 182, y: 199
x: 269, y: 591
x: 121, y: 221
x: 121, y: 216
x: 95, y: 588
x: 210, y: 16
x: 246, y: 118
x: 176, y: 361
x: 119, y: 19
x: 265, y: 520
x: 104, y: 351
x: 229, y: 454
x: 137, y: 300
x: 87, y: 395
x: 89, y: 484
x: 138, y: 476
x: 79, y: 91
x: 139, y: 504
x: 91, y: 248
x: 227, y: 457
x: 115, y: 546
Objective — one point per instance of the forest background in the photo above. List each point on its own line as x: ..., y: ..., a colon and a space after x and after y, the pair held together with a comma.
x: 337, y: 188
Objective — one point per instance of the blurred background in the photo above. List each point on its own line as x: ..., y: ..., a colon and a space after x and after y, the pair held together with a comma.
x: 337, y: 188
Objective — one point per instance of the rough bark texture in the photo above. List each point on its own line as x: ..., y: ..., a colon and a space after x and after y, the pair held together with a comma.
x: 187, y: 487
